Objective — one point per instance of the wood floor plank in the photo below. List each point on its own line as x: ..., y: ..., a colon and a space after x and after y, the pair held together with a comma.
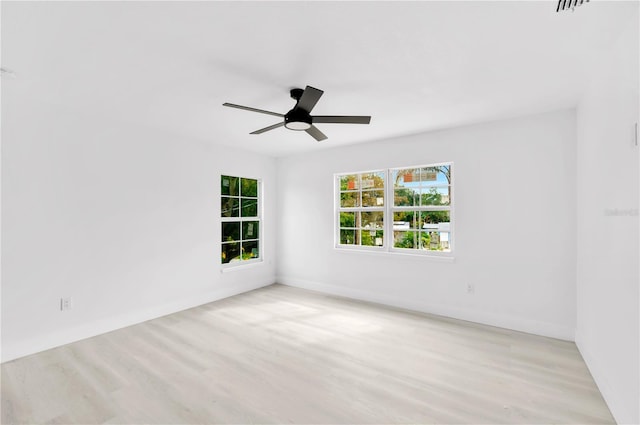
x: 286, y: 355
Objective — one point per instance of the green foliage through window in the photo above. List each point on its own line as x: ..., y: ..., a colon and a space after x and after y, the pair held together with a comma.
x: 361, y: 209
x: 240, y: 216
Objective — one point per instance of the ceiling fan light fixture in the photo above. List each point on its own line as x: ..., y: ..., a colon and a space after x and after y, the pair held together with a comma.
x: 298, y: 125
x: 298, y: 120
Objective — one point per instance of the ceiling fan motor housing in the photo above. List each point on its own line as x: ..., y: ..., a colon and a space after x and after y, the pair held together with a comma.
x: 296, y: 93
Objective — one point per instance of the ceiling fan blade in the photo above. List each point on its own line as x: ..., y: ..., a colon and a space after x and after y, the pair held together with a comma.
x: 271, y: 127
x: 246, y: 108
x: 341, y: 119
x: 315, y: 133
x: 309, y: 98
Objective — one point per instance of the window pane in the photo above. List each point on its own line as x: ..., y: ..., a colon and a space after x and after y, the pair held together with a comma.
x: 229, y: 207
x: 230, y: 251
x: 249, y: 187
x: 349, y: 182
x: 435, y: 196
x: 406, y: 197
x: 349, y: 199
x: 405, y: 239
x: 372, y: 237
x: 373, y: 198
x: 229, y: 185
x: 432, y: 218
x: 250, y: 230
x: 231, y: 231
x: 406, y: 220
x: 436, y: 241
x: 435, y: 176
x: 375, y: 219
x: 348, y: 219
x: 249, y: 207
x: 250, y: 250
x: 372, y: 180
x: 436, y: 230
x: 347, y: 236
x: 408, y: 177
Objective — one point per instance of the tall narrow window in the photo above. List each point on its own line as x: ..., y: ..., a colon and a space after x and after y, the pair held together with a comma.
x: 361, y: 209
x: 240, y: 217
x: 422, y: 208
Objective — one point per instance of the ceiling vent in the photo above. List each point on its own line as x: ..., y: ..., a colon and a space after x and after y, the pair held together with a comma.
x: 569, y: 4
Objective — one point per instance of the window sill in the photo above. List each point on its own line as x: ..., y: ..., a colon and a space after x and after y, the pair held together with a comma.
x: 445, y: 258
x: 226, y: 268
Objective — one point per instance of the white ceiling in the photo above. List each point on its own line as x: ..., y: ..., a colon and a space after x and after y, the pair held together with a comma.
x: 412, y: 66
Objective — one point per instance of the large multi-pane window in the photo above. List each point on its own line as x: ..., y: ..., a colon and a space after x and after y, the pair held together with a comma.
x: 240, y: 217
x: 400, y: 209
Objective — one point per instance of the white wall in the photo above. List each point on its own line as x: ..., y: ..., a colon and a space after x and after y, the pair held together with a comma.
x: 514, y: 224
x: 119, y: 217
x: 607, y: 211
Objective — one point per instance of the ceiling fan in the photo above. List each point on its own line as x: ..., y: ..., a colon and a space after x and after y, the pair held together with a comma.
x: 300, y: 119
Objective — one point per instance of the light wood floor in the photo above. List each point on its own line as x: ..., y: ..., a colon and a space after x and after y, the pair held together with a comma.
x: 286, y: 355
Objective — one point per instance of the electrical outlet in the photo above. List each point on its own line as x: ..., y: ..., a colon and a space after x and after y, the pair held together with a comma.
x: 66, y: 303
x: 471, y: 289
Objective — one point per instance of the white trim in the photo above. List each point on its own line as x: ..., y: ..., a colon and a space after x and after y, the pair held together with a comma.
x: 519, y: 324
x: 372, y: 250
x: 241, y: 265
x: 361, y: 248
x: 422, y: 208
x: 435, y: 164
x: 420, y: 252
x: 87, y: 330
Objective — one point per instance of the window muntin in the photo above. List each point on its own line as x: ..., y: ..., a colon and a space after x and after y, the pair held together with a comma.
x: 240, y: 219
x: 419, y: 201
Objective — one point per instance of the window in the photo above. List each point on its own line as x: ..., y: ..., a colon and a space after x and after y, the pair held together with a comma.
x: 240, y: 217
x: 361, y: 209
x: 422, y: 208
x: 397, y: 210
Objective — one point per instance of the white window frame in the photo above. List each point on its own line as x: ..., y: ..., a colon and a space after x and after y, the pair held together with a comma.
x: 360, y: 209
x: 388, y: 210
x: 392, y: 208
x: 241, y: 220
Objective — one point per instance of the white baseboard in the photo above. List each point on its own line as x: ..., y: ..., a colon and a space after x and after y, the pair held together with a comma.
x: 514, y: 323
x: 39, y: 343
x: 620, y: 413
